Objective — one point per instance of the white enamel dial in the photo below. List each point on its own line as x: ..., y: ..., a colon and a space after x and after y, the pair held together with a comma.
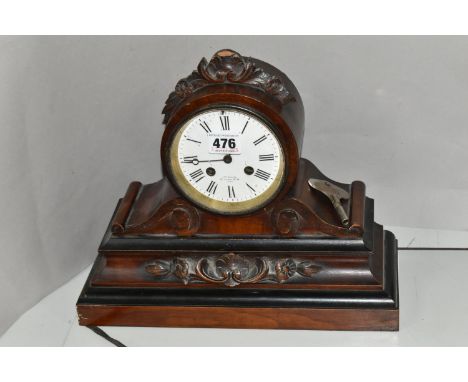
x: 227, y: 160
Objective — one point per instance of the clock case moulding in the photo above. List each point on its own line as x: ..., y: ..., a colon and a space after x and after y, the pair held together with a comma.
x: 165, y: 262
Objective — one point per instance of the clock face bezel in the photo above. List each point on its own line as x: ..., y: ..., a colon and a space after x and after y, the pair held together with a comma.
x: 181, y: 183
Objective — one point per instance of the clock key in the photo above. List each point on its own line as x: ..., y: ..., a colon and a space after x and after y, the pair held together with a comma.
x: 335, y: 194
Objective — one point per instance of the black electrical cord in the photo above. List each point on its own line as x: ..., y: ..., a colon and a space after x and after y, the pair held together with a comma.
x: 107, y: 337
x: 431, y: 249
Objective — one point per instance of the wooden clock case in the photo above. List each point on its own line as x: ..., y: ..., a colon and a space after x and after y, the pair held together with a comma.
x: 292, y: 264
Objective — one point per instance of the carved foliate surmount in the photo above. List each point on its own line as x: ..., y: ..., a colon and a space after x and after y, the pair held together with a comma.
x: 226, y: 66
x: 231, y: 269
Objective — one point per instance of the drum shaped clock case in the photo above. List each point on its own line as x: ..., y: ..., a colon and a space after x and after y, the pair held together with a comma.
x: 280, y: 254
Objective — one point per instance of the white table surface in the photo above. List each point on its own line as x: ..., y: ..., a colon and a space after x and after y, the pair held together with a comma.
x: 433, y: 312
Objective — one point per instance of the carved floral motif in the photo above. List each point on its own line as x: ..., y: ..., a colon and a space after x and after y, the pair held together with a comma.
x: 231, y: 269
x: 226, y: 66
x: 181, y: 270
x: 285, y: 269
x: 158, y: 268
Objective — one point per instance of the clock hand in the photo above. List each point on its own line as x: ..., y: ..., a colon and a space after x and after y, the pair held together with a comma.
x: 195, y: 161
x: 226, y: 159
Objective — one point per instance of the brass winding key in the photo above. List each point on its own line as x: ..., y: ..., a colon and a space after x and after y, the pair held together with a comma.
x: 335, y: 194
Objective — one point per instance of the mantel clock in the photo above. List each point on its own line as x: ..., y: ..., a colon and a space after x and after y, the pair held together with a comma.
x: 242, y: 232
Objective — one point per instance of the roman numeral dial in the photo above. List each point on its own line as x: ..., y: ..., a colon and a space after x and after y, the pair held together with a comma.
x: 263, y: 175
x: 260, y: 140
x: 197, y: 175
x: 266, y: 157
x: 212, y: 187
x: 231, y: 191
x: 227, y: 160
x: 224, y: 122
x: 205, y: 127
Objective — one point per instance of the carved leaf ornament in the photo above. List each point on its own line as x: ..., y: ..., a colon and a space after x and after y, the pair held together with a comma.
x: 226, y: 66
x: 232, y: 269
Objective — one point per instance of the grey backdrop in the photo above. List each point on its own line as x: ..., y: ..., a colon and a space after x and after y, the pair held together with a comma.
x: 80, y: 118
